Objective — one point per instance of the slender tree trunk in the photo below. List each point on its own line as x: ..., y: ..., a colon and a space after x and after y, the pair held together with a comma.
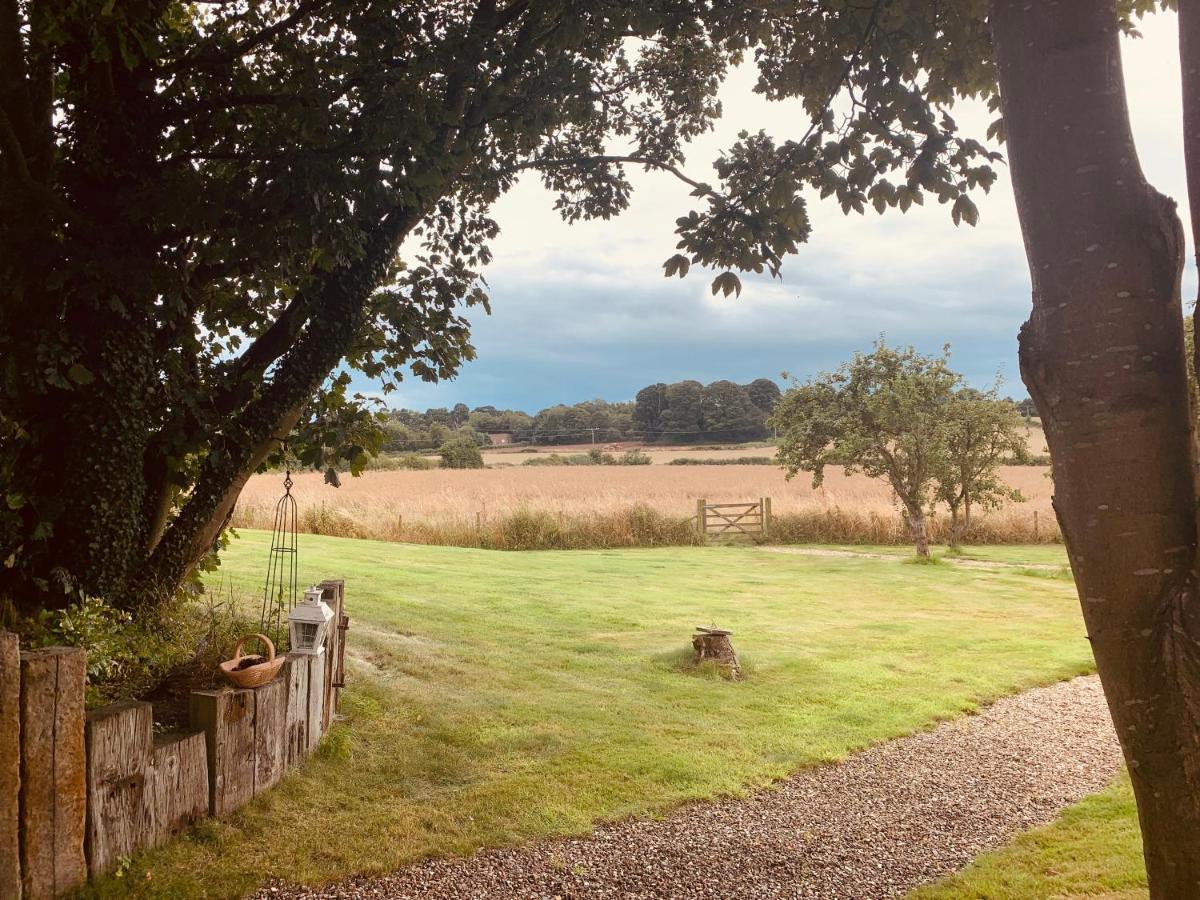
x: 920, y: 535
x: 1103, y: 357
x: 955, y: 528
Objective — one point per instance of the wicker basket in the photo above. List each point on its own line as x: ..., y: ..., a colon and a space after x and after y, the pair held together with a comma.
x: 252, y: 676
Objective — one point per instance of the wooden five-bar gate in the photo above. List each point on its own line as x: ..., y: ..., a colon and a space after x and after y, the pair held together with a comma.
x: 728, y: 519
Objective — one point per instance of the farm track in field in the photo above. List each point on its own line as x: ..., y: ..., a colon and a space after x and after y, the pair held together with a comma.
x: 957, y: 561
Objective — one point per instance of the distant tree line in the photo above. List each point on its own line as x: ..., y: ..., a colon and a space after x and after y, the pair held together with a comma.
x: 680, y: 413
x: 690, y: 412
x: 580, y: 423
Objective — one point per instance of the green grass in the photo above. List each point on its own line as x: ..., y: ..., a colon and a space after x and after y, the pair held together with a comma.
x: 499, y: 697
x: 1093, y: 850
x: 1012, y: 554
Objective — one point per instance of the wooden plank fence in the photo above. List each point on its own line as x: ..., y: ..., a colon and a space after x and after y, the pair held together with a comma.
x: 79, y: 792
x: 731, y: 519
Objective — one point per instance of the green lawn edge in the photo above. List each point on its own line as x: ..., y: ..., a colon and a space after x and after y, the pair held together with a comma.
x: 1093, y: 849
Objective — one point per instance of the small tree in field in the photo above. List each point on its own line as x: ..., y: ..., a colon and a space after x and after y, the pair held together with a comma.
x: 983, y: 433
x: 460, y: 453
x: 884, y: 413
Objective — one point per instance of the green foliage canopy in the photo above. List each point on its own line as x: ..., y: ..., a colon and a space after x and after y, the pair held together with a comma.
x: 202, y: 210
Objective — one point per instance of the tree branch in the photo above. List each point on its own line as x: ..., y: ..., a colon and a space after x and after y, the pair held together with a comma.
x: 14, y: 96
x: 10, y: 148
x: 340, y: 299
x: 247, y: 44
x: 563, y: 161
x: 265, y: 349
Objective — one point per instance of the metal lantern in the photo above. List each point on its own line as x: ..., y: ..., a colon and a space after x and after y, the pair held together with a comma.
x: 308, y: 622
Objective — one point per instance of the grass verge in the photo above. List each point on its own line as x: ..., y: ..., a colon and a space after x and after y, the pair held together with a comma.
x: 497, y: 698
x: 1093, y: 850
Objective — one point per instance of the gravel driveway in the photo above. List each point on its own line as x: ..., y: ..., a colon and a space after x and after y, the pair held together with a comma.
x: 876, y: 825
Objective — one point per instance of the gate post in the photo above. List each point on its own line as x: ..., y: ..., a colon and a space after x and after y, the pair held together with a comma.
x: 701, y: 524
x: 766, y: 515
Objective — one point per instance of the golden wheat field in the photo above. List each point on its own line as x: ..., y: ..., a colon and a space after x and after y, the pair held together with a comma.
x: 573, y: 506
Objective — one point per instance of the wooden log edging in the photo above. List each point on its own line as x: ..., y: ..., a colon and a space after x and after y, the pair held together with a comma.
x: 141, y: 791
x: 53, y: 793
x: 10, y: 765
x: 79, y: 792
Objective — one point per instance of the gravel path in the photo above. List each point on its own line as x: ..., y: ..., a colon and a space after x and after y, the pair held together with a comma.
x: 876, y: 825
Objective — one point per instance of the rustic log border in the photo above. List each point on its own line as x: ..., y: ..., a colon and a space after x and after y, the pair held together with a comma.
x: 80, y: 792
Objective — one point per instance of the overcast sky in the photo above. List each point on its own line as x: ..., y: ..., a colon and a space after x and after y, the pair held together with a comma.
x: 584, y: 311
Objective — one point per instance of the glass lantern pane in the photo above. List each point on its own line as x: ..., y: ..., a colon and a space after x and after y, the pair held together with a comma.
x: 306, y: 635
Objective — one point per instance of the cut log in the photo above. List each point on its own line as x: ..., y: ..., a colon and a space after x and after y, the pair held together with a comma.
x: 120, y: 802
x: 10, y: 765
x: 227, y: 720
x: 270, y: 734
x: 295, y: 675
x: 715, y: 644
x: 53, y: 772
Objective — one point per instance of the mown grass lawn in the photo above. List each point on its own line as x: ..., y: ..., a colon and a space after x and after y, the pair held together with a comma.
x: 1009, y: 554
x: 1093, y: 850
x: 498, y: 697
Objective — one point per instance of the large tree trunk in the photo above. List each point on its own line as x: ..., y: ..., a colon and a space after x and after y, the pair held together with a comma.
x: 1103, y: 357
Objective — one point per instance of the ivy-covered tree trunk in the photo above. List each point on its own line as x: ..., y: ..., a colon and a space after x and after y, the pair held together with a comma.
x: 1103, y: 357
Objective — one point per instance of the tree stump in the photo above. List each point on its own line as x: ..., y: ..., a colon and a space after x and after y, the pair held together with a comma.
x: 715, y: 644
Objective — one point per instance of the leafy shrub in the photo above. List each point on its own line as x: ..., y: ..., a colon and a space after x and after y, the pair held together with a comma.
x: 460, y: 453
x: 594, y: 457
x: 390, y: 462
x: 104, y: 632
x: 738, y: 461
x: 554, y: 459
x: 125, y: 656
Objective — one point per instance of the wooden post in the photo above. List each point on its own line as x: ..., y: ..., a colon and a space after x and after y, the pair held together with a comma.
x: 316, y: 700
x: 270, y: 734
x: 700, y: 523
x: 766, y: 516
x: 1035, y: 527
x: 178, y: 783
x: 10, y: 765
x: 334, y: 592
x: 120, y: 808
x: 295, y: 674
x: 227, y: 719
x: 53, y: 771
